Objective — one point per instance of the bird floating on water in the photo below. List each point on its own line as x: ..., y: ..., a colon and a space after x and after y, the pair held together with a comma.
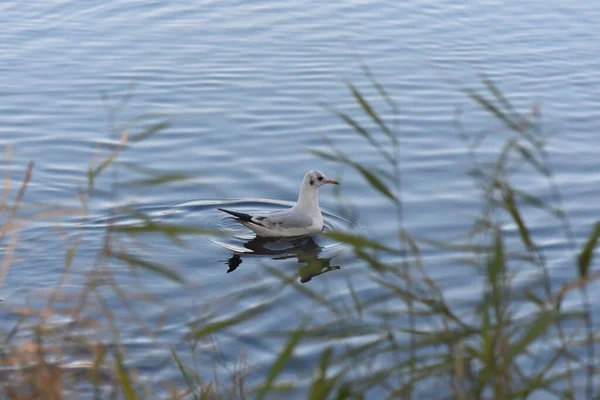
x: 304, y: 218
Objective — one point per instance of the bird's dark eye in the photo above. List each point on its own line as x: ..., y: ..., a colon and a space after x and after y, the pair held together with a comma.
x: 320, y: 178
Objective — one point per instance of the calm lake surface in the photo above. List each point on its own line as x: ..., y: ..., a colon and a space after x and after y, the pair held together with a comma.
x: 241, y: 83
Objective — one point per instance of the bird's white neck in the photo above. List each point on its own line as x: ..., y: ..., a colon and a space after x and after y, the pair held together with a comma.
x: 308, y: 200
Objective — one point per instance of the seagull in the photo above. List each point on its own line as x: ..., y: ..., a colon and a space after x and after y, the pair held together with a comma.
x: 304, y: 218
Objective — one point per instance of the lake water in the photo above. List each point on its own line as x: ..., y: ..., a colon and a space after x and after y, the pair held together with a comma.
x: 241, y: 84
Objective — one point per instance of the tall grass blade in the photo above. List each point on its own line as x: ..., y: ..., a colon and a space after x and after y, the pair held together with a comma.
x: 93, y: 373
x: 279, y: 364
x: 124, y: 377
x: 207, y: 392
x: 321, y: 386
x: 311, y: 294
x: 326, y: 156
x: 405, y: 295
x: 511, y: 207
x: 94, y: 172
x: 585, y: 258
x: 380, y: 89
x: 148, y: 265
x: 357, y: 305
x: 375, y: 182
x: 497, y: 93
x: 345, y: 393
x: 486, y: 104
x: 160, y: 179
x: 357, y: 127
x: 149, y: 132
x: 361, y: 242
x: 369, y: 110
x: 496, y: 264
x: 184, y: 373
x: 530, y: 157
x: 155, y: 177
x: 217, y: 326
x: 172, y: 231
x: 537, y: 327
x: 538, y: 202
x: 108, y: 161
x: 23, y: 188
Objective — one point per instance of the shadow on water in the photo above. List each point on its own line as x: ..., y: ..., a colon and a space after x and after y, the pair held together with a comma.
x: 305, y: 249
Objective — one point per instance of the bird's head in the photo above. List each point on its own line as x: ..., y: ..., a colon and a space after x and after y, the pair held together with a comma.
x: 316, y: 179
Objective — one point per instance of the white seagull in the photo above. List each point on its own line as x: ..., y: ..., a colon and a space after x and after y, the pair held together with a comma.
x: 304, y: 218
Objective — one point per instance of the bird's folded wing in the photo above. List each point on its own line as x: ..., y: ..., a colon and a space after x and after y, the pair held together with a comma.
x: 288, y: 219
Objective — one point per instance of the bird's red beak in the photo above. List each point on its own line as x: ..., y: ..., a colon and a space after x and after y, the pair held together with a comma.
x: 332, y: 182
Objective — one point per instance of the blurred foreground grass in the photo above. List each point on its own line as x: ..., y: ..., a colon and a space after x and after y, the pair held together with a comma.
x: 515, y: 341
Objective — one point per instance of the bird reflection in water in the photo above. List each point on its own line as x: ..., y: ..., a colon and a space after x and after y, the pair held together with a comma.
x: 305, y: 249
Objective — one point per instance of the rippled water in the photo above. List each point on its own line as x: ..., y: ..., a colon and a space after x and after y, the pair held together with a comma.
x: 241, y: 84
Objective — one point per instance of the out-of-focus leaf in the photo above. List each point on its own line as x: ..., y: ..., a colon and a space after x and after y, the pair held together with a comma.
x: 321, y: 386
x: 22, y: 189
x: 585, y: 258
x: 375, y: 182
x: 365, y: 133
x: 279, y: 364
x: 206, y: 392
x: 357, y: 127
x: 155, y: 177
x: 529, y: 157
x: 315, y: 296
x: 148, y: 265
x: 93, y: 372
x: 90, y: 177
x: 70, y: 255
x: 109, y: 160
x: 544, y: 383
x: 355, y: 299
x: 538, y: 202
x: 146, y: 117
x: 166, y: 229
x: 227, y: 322
x: 124, y: 378
x: 447, y: 245
x: 345, y: 393
x: 369, y: 110
x: 360, y: 241
x: 529, y: 295
x: 188, y: 381
x: 406, y: 389
x: 486, y: 104
x: 497, y: 93
x: 382, y: 92
x: 372, y: 260
x: 325, y: 156
x: 149, y: 132
x: 537, y: 327
x: 160, y: 179
x: 94, y: 172
x: 511, y: 207
x: 496, y: 263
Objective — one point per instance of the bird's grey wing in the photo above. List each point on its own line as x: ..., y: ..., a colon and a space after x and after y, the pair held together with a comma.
x: 289, y: 219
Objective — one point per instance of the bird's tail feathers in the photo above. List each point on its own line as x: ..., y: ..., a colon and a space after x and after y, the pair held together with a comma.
x: 241, y: 216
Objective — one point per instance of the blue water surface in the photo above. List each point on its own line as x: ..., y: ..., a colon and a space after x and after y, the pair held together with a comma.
x: 242, y: 84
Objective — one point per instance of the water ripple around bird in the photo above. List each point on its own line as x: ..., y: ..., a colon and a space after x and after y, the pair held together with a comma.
x: 237, y: 238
